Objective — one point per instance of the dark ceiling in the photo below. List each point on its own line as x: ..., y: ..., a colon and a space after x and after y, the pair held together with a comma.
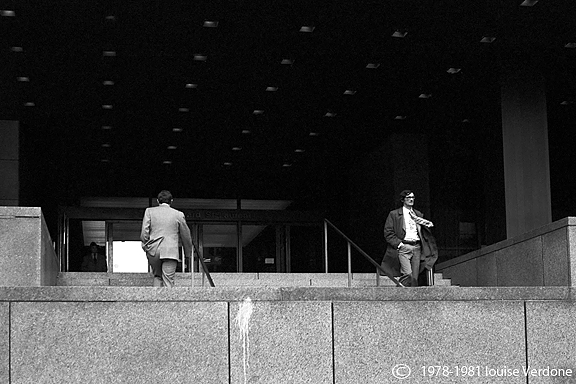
x: 236, y: 98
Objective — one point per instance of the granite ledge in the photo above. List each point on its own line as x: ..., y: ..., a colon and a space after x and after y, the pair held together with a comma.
x: 234, y: 294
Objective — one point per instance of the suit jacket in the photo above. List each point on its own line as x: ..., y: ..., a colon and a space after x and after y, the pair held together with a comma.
x: 162, y: 228
x: 394, y: 233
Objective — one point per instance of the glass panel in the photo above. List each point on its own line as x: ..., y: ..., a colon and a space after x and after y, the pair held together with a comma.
x: 83, y: 233
x: 220, y: 243
x: 259, y: 248
x: 306, y: 248
x: 127, y: 254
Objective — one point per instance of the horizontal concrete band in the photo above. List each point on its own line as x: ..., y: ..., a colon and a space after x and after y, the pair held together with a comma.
x: 233, y: 294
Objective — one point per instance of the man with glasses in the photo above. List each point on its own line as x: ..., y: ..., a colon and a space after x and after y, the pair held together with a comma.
x: 411, y: 247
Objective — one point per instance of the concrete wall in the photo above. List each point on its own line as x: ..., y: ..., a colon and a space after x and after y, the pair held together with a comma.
x: 27, y: 254
x: 306, y: 335
x: 543, y: 257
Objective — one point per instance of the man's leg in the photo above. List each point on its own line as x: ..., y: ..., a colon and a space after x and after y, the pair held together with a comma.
x: 416, y: 251
x: 168, y: 272
x: 404, y: 255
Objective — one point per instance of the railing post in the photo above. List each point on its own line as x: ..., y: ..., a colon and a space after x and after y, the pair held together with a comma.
x: 349, y: 265
x: 326, y: 246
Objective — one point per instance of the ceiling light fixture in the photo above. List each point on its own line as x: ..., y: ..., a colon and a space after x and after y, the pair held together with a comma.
x: 399, y: 33
x: 286, y: 165
x: 271, y: 89
x: 258, y: 112
x: 465, y: 120
x: 183, y: 109
x: 17, y: 49
x: 400, y: 117
x: 108, y: 82
x: 191, y: 86
x: 307, y: 28
x: 425, y: 96
x: 23, y: 79
x: 171, y: 147
x: 299, y: 150
x: 104, y: 160
x: 30, y: 104
x: 313, y: 134
x: 227, y: 164
x: 566, y: 102
x: 177, y: 130
x: 106, y: 127
x: 372, y: 65
x: 236, y: 148
x: 110, y: 18
x: 210, y: 24
x: 487, y: 39
x: 349, y: 92
x: 7, y: 13
x: 106, y: 145
x: 529, y: 3
x: 570, y: 45
x: 167, y: 162
x: 200, y: 57
x: 330, y: 114
x: 246, y: 131
x: 287, y: 62
x: 453, y: 71
x: 109, y: 53
x: 107, y: 106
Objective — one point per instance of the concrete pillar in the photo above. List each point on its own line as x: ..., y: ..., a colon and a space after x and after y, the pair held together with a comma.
x: 9, y: 163
x: 526, y: 162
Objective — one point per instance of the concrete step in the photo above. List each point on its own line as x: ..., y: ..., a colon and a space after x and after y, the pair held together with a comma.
x: 234, y: 279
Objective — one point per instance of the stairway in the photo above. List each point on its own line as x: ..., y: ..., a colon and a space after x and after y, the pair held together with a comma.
x: 235, y: 279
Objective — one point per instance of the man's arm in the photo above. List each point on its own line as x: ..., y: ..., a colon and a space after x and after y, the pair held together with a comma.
x: 185, y: 235
x: 390, y: 233
x: 145, y: 232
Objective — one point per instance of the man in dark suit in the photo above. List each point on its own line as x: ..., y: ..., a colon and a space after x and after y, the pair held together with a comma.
x: 94, y: 261
x: 162, y: 228
x: 411, y: 246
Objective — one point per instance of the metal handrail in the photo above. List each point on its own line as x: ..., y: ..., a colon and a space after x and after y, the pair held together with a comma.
x: 203, y: 264
x: 366, y: 256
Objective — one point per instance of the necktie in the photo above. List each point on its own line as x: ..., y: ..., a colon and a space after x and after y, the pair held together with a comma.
x: 421, y: 220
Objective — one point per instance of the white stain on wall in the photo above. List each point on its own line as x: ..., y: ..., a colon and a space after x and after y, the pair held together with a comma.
x: 243, y: 324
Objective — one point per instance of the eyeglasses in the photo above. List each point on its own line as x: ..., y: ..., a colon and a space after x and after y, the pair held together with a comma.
x: 410, y: 197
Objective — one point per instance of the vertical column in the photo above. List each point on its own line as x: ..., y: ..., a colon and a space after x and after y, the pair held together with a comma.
x: 9, y: 163
x: 526, y: 162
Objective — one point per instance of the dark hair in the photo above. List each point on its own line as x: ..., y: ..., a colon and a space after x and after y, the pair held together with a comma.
x: 165, y: 197
x: 403, y: 194
x: 93, y: 244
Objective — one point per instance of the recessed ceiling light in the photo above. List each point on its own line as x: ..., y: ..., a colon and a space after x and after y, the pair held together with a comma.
x: 106, y: 127
x: 566, y: 102
x: 105, y: 160
x: 30, y: 104
x: 465, y: 120
x: 307, y: 28
x: 167, y: 162
x: 236, y: 148
x: 400, y: 117
x: 487, y: 39
x: 7, y: 13
x: 313, y: 134
x: 23, y: 79
x: 286, y: 165
x: 246, y: 131
x: 227, y: 164
x: 108, y: 82
x: 191, y: 85
x: 399, y: 33
x: 271, y: 89
x: 177, y: 129
x: 171, y: 147
x: 453, y: 71
x: 424, y: 96
x: 528, y: 3
x: 183, y: 109
x: 570, y: 45
x: 111, y: 18
x: 106, y: 145
x: 258, y: 112
x: 299, y: 150
x: 17, y: 49
x: 107, y: 106
x: 372, y: 65
x: 210, y: 24
x: 329, y: 114
x: 349, y: 92
x: 287, y: 62
x: 199, y: 57
x: 109, y: 53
